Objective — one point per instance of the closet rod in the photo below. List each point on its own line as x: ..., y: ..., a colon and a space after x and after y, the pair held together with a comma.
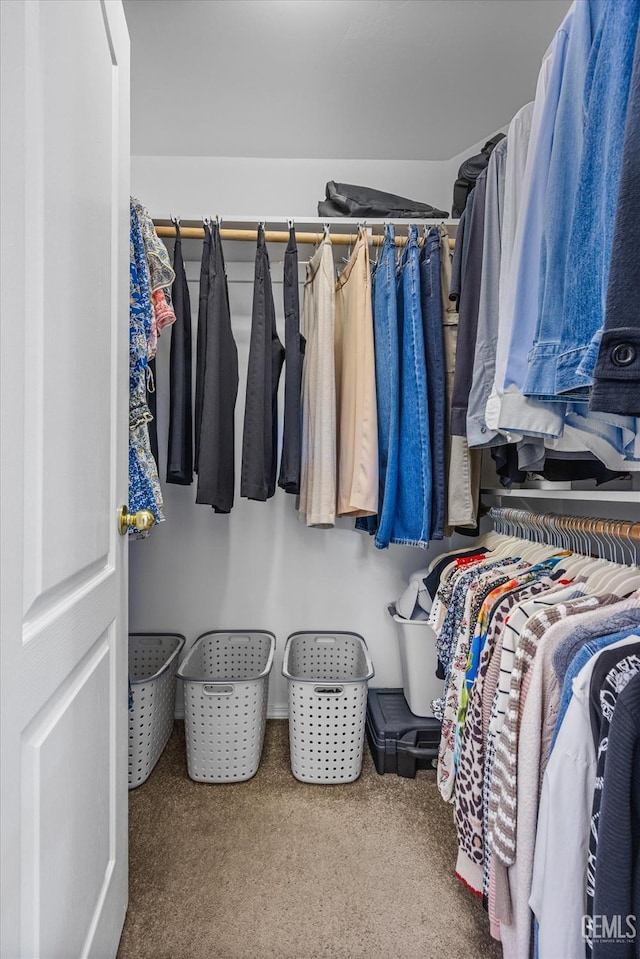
x: 280, y: 236
x: 527, y: 521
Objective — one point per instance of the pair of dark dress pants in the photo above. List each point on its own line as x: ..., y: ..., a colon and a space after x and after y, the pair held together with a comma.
x: 431, y: 302
x: 216, y: 382
x: 289, y: 477
x: 180, y: 444
x: 266, y: 356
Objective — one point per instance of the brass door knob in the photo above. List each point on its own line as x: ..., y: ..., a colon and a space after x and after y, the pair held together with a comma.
x: 143, y: 519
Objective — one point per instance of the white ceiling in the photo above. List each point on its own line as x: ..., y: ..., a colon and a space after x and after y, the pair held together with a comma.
x: 353, y: 79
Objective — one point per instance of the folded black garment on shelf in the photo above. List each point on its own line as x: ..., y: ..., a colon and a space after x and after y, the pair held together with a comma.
x: 345, y: 199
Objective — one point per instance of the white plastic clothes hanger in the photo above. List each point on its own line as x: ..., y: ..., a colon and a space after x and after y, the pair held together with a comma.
x: 580, y: 562
x: 512, y: 545
x: 596, y: 584
x: 622, y: 579
x: 534, y: 551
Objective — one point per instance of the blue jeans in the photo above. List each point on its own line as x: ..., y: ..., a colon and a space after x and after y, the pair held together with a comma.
x: 412, y: 519
x: 431, y: 301
x: 385, y: 331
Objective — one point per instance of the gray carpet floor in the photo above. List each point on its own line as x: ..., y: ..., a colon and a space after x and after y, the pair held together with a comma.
x: 277, y: 869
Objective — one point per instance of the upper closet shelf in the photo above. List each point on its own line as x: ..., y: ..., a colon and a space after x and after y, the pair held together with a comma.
x: 608, y: 495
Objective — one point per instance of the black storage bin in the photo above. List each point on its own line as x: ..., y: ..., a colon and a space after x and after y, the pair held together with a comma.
x: 399, y: 741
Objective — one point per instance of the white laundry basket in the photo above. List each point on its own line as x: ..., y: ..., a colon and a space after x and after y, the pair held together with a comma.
x: 327, y: 676
x: 226, y: 685
x: 153, y: 658
x: 418, y: 661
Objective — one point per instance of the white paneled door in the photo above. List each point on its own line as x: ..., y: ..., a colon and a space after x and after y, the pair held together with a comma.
x: 64, y: 388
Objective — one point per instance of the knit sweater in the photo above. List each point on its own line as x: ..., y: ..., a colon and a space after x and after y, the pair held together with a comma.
x: 502, y: 802
x: 468, y: 801
x: 537, y: 724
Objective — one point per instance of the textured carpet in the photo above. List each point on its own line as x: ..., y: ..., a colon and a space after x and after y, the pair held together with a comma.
x: 275, y: 869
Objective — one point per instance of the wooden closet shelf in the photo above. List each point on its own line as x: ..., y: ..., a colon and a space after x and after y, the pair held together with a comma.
x: 607, y: 495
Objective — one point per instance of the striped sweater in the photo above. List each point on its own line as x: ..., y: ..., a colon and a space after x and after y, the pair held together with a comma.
x: 503, y: 788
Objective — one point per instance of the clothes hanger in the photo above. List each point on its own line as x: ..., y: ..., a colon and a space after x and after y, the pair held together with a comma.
x: 510, y: 544
x: 533, y: 552
x: 578, y: 563
x: 622, y: 580
x: 578, y: 531
x: 600, y: 573
x: 549, y: 542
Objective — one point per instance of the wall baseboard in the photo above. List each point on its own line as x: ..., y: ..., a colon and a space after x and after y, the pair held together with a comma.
x: 277, y: 712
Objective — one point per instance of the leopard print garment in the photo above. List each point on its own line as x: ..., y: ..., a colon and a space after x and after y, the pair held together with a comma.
x: 468, y: 798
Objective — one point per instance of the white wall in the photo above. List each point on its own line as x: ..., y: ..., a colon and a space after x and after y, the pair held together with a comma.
x: 246, y: 186
x: 258, y: 567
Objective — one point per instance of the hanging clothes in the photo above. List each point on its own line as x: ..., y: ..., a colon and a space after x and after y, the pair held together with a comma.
x: 412, y: 518
x: 558, y: 892
x: 617, y: 372
x: 180, y: 442
x: 216, y: 381
x: 266, y: 356
x: 613, y: 671
x: 463, y: 490
x: 432, y: 322
x: 387, y: 366
x: 201, y: 344
x: 317, y: 501
x: 450, y: 345
x: 516, y: 615
x: 478, y: 434
x: 144, y: 484
x: 606, y: 97
x: 294, y: 345
x: 560, y: 197
x: 617, y: 886
x: 356, y: 416
x: 161, y: 276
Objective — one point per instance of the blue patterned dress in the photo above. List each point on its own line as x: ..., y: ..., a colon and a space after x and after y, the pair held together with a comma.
x: 144, y: 484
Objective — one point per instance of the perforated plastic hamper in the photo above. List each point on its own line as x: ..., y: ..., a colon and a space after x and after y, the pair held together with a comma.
x: 153, y: 659
x: 327, y: 677
x: 226, y: 685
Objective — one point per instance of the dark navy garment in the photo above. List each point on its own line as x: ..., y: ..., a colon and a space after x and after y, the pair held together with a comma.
x: 216, y: 382
x: 266, y: 356
x: 289, y: 477
x: 616, y: 384
x: 468, y: 313
x: 180, y: 443
x: 431, y: 301
x: 617, y: 887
